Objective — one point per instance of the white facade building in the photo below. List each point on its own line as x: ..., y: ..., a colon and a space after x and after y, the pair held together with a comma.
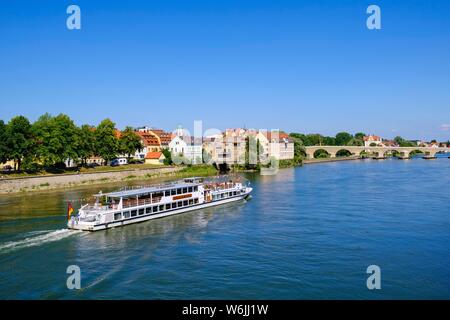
x: 188, y: 148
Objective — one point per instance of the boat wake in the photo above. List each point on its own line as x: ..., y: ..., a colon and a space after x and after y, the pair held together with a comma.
x: 37, y: 240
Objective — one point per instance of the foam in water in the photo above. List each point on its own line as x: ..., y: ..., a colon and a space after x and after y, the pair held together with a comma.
x: 37, y: 240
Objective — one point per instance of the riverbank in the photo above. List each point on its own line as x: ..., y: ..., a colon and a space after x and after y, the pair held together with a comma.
x: 52, y: 182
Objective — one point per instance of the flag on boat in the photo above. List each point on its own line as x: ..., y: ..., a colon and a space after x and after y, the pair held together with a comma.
x: 69, y: 210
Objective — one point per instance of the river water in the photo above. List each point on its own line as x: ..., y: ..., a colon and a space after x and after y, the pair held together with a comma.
x: 308, y: 233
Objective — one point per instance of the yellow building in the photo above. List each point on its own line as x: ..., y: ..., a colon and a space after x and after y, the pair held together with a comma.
x: 156, y: 158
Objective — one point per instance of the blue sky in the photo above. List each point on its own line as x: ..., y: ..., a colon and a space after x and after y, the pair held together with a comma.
x: 303, y: 66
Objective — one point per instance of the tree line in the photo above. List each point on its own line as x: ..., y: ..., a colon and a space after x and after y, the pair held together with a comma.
x: 52, y: 140
x: 344, y: 139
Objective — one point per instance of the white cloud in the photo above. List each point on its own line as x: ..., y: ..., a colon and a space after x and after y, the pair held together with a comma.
x: 445, y: 127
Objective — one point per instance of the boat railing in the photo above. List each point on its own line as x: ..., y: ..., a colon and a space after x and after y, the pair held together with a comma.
x: 140, y: 202
x: 98, y: 207
x: 221, y: 186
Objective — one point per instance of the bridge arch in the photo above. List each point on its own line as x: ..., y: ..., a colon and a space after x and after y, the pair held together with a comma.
x: 343, y: 152
x: 321, y: 153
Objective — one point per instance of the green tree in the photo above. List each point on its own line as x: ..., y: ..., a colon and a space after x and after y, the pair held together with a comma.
x: 299, y: 151
x: 4, y: 154
x: 314, y: 139
x: 130, y: 142
x: 328, y: 141
x: 355, y: 142
x: 168, y: 156
x: 360, y: 135
x: 57, y: 139
x: 343, y: 138
x: 404, y: 143
x: 86, y: 142
x: 19, y: 140
x: 106, y: 141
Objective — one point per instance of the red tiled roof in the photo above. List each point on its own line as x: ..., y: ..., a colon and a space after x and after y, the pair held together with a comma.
x: 274, y: 135
x: 148, y: 139
x: 153, y: 155
x: 165, y: 137
x: 373, y: 138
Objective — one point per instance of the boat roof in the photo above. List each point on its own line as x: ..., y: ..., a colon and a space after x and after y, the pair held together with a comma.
x: 134, y: 191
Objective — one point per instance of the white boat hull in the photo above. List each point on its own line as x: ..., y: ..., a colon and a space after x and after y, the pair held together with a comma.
x: 72, y: 224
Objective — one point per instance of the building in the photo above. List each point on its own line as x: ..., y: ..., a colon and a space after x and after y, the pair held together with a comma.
x: 372, y: 140
x: 156, y: 158
x: 276, y: 144
x: 227, y: 147
x: 163, y: 136
x: 189, y: 148
x: 389, y: 143
x: 150, y: 143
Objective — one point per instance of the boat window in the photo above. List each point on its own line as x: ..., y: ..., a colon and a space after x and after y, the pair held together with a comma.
x: 167, y: 193
x: 173, y: 192
x: 141, y: 212
x: 234, y: 193
x: 168, y: 206
x: 127, y: 214
x: 179, y: 191
x: 161, y: 207
x: 148, y: 210
x: 191, y: 201
x: 185, y: 190
x: 196, y: 200
x: 195, y: 189
x: 155, y: 209
x: 117, y: 216
x: 180, y: 204
x: 230, y: 194
x: 190, y: 189
x: 185, y: 203
x: 157, y: 195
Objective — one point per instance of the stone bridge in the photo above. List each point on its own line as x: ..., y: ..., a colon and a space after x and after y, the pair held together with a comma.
x: 381, y: 152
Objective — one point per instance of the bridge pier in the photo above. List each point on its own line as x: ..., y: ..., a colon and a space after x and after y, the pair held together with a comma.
x: 430, y: 155
x: 404, y: 155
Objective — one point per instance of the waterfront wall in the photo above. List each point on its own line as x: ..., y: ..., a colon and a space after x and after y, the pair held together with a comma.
x: 70, y: 180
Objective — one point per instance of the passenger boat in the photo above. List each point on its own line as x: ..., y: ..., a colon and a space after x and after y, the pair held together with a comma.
x: 140, y: 204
